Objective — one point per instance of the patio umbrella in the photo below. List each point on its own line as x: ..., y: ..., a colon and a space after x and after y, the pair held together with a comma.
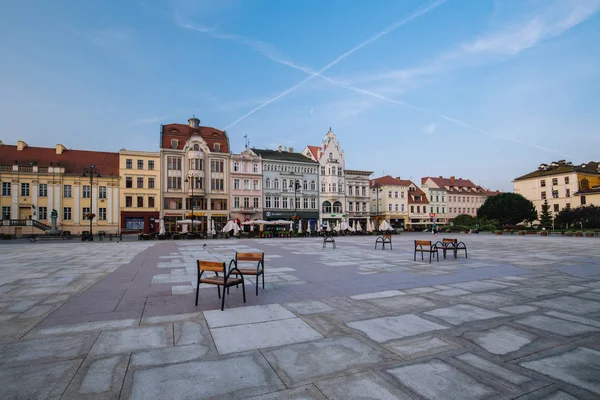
x: 292, y: 227
x: 385, y: 226
x: 369, y: 226
x: 336, y: 228
x: 185, y: 228
x: 161, y: 227
x: 319, y: 227
x: 300, y: 226
x: 308, y: 227
x: 358, y: 227
x: 351, y: 227
x: 212, y: 229
x: 328, y: 227
x: 344, y: 226
x: 236, y: 228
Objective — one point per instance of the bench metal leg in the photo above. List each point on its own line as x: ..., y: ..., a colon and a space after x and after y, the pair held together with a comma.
x: 223, y: 299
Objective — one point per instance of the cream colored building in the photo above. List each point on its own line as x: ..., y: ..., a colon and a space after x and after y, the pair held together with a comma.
x: 559, y: 182
x: 389, y: 201
x: 140, y: 199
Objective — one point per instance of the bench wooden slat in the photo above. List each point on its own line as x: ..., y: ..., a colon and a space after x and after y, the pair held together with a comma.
x: 215, y: 266
x: 422, y: 242
x: 249, y: 256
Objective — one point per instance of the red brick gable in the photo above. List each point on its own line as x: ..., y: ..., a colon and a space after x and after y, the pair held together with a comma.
x: 73, y: 161
x: 182, y: 133
x: 388, y: 180
x: 314, y: 150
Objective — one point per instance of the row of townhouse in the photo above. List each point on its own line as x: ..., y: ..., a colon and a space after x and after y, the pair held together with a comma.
x: 195, y: 176
x: 562, y: 184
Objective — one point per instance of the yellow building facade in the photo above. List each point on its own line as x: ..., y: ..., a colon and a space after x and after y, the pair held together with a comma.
x: 76, y: 184
x: 140, y: 199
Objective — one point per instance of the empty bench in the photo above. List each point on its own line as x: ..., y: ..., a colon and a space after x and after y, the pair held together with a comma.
x: 328, y: 239
x: 425, y: 246
x: 386, y: 238
x: 258, y: 258
x: 454, y: 245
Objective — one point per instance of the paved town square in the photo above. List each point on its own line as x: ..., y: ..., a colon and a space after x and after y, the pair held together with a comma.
x: 519, y: 318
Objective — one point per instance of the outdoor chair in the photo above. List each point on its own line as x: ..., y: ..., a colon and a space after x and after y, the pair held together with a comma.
x: 454, y: 245
x: 425, y: 246
x: 259, y: 258
x: 328, y: 239
x: 386, y: 238
x: 225, y: 280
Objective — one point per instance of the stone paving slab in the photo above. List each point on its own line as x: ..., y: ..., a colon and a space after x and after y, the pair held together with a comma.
x: 128, y: 340
x: 384, y: 329
x: 366, y: 385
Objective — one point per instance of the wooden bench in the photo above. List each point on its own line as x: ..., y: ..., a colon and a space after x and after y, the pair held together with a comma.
x: 259, y: 258
x: 454, y: 245
x: 328, y: 239
x: 226, y: 281
x: 386, y: 238
x: 425, y: 246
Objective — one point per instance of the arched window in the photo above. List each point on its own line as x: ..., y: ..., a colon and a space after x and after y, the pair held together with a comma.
x: 284, y: 184
x: 217, y: 147
x: 276, y: 183
x: 196, y: 147
x: 313, y: 185
x: 326, y: 207
x: 337, y: 207
x: 268, y: 183
x: 330, y: 156
x: 585, y: 184
x: 174, y: 143
x: 305, y: 185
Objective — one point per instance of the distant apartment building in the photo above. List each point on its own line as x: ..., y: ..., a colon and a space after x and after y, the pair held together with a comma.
x: 289, y: 185
x: 139, y: 173
x: 357, y: 196
x: 419, y: 216
x: 389, y: 201
x: 246, y: 186
x: 37, y: 181
x: 462, y: 195
x: 195, y: 177
x: 562, y: 184
x: 437, y: 197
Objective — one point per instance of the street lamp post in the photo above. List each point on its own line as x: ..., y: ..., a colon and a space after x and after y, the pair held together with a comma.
x: 91, y: 171
x: 192, y: 180
x: 296, y: 185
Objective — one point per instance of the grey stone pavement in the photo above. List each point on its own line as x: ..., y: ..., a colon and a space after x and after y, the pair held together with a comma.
x: 520, y: 318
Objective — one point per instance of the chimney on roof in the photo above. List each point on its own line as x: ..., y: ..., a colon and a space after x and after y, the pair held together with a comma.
x: 60, y: 148
x: 194, y: 122
x: 452, y: 179
x: 398, y: 178
x: 21, y: 145
x: 279, y: 148
x: 1, y: 143
x: 441, y: 177
x: 291, y: 149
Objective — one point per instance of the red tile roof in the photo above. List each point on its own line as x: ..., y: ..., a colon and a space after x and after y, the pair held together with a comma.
x: 73, y: 161
x: 388, y: 180
x: 314, y: 150
x: 417, y: 192
x: 183, y: 132
x: 448, y: 182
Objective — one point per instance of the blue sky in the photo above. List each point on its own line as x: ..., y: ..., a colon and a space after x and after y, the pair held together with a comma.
x: 485, y: 90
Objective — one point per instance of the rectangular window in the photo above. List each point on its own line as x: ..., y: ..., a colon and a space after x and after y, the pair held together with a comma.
x: 150, y: 164
x: 151, y: 202
x: 389, y: 195
x: 6, y: 189
x: 67, y: 191
x: 583, y: 200
x: 140, y: 182
x: 42, y: 213
x: 396, y: 195
x: 236, y: 166
x: 5, y: 212
x: 284, y: 201
x: 556, y: 208
x: 322, y: 170
x: 443, y: 210
x: 566, y: 180
x: 412, y: 209
x: 216, y: 165
x: 555, y: 194
x: 128, y: 201
x: 335, y: 187
x: 247, y: 202
x: 350, y: 190
x: 216, y: 184
x: 86, y: 192
x: 246, y: 184
x: 255, y: 168
x: 322, y: 187
x: 150, y: 182
x: 268, y: 202
x: 128, y: 182
x: 140, y: 165
x: 102, y: 214
x: 340, y: 172
x: 333, y: 171
x: 442, y: 199
x: 389, y: 207
x: 255, y: 185
x: 102, y: 192
x: 129, y: 163
x: 140, y: 201
x: 297, y: 203
x: 543, y: 183
x: 396, y: 207
x: 418, y: 209
x: 67, y: 213
x: 84, y: 212
x: 174, y: 163
x: 402, y: 207
x: 256, y: 202
x: 305, y: 203
x: 276, y: 202
x: 24, y: 189
x: 313, y: 203
x: 350, y: 208
x: 543, y: 195
x: 437, y: 210
x: 568, y: 193
x: 236, y: 202
x: 43, y: 190
x: 554, y: 181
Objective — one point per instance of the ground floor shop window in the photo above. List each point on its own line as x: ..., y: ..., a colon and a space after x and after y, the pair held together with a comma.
x: 134, y: 223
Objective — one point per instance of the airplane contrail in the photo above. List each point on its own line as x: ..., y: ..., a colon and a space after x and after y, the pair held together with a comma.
x: 367, y: 42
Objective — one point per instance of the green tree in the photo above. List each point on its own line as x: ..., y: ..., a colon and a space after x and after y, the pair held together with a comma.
x: 546, y: 215
x: 464, y: 220
x: 508, y: 209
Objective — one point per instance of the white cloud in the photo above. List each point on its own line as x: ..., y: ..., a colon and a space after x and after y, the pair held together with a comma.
x: 431, y: 128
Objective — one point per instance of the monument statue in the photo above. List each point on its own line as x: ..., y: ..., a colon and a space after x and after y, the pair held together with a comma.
x: 53, y: 216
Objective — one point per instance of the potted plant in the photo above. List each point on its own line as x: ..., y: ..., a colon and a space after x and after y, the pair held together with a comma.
x: 589, y: 234
x: 579, y: 234
x: 498, y: 232
x: 544, y: 233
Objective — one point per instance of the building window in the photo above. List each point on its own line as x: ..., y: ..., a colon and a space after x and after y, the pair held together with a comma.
x: 396, y: 195
x: 323, y: 187
x: 389, y: 194
x: 140, y: 201
x: 349, y: 190
x: 305, y: 202
x: 583, y: 201
x: 151, y: 202
x: 5, y: 212
x: 333, y: 170
x: 396, y: 207
x: 554, y: 181
x: 140, y: 182
x: 555, y: 194
x: 255, y: 185
x: 67, y: 191
x: 174, y: 143
x: 216, y: 184
x: 236, y: 166
x: 42, y: 213
x: 196, y: 164
x: 568, y: 193
x: 566, y: 180
x: 326, y: 207
x: 556, y: 208
x: 102, y: 214
x: 268, y: 202
x: 284, y: 202
x: 337, y: 207
x: 313, y: 203
x: 256, y: 202
x: 313, y: 185
x: 255, y: 168
x: 276, y: 183
x: 174, y: 182
x: 140, y: 164
x: 6, y: 188
x: 402, y: 207
x: 412, y: 209
x: 236, y: 184
x: 128, y: 182
x: 216, y: 165
x: 174, y: 163
x: 442, y: 199
x: 85, y: 211
x: 128, y: 201
x: 150, y: 164
x: 275, y: 201
x: 67, y: 213
x: 247, y: 202
x: 544, y: 195
x: 129, y: 163
x: 246, y: 184
x: 150, y: 182
x: 543, y: 183
x: 102, y: 192
x: 24, y: 189
x: 322, y: 170
x: 236, y: 202
x: 87, y: 192
x: 217, y: 147
x: 43, y: 190
x: 267, y: 183
x: 335, y: 187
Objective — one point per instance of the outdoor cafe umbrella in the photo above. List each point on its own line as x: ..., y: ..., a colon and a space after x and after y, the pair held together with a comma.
x: 299, y: 226
x: 344, y: 226
x: 385, y: 226
x: 369, y: 226
x: 308, y: 227
x: 351, y: 227
x: 212, y: 229
x: 358, y: 227
x: 319, y: 227
x: 161, y: 225
x: 328, y: 227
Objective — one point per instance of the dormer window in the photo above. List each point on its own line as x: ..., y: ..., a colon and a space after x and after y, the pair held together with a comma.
x: 174, y: 143
x: 217, y: 147
x: 196, y: 147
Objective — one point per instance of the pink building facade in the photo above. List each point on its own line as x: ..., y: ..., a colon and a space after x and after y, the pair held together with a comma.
x: 246, y: 186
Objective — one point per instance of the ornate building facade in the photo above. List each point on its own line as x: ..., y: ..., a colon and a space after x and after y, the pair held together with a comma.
x: 246, y: 186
